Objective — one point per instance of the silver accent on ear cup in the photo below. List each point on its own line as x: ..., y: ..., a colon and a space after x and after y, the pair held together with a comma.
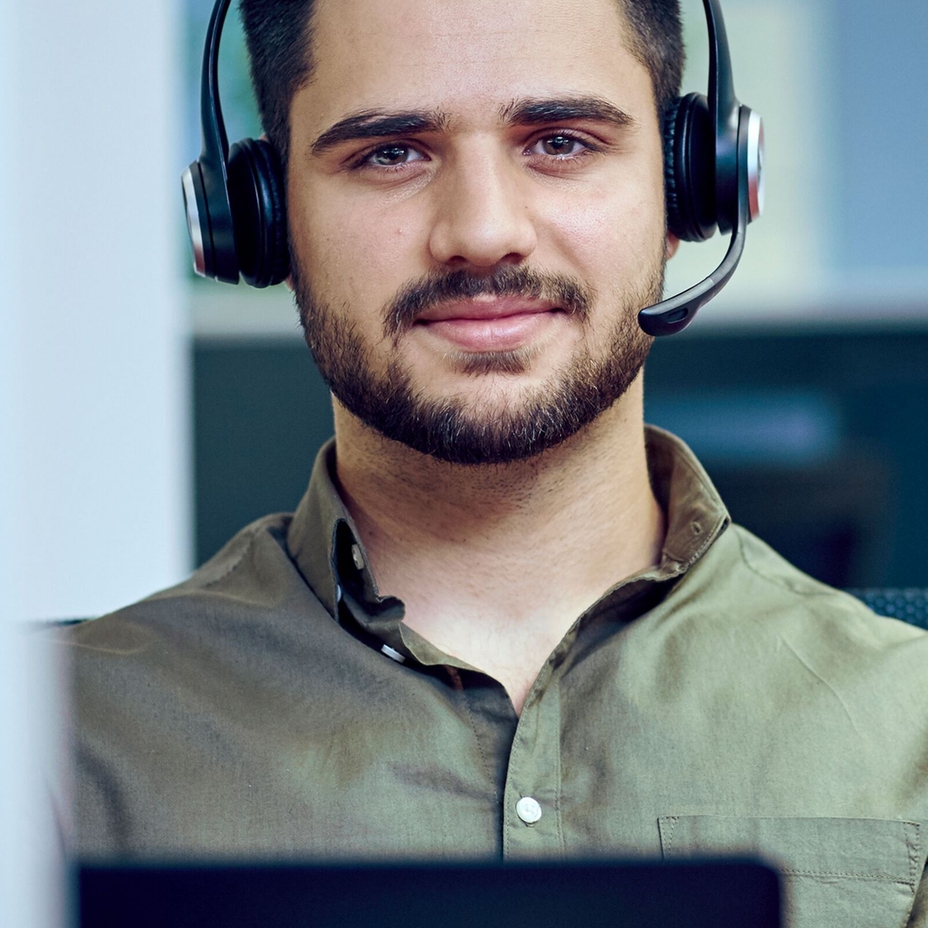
x: 193, y: 222
x: 755, y: 165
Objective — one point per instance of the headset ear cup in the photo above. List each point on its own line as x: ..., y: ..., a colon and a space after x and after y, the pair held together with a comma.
x: 689, y: 169
x: 671, y: 198
x: 256, y: 193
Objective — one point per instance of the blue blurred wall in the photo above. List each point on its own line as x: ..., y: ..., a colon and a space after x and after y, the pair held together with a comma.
x: 881, y: 74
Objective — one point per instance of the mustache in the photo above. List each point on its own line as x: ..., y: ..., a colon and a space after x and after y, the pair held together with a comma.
x: 417, y: 296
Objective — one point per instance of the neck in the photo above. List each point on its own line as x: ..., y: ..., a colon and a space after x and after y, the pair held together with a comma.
x: 495, y: 563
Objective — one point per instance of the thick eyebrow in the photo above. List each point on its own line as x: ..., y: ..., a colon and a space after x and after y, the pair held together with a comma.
x: 376, y: 124
x: 533, y: 112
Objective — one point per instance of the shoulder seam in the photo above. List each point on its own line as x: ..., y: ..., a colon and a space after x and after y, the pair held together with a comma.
x: 238, y: 562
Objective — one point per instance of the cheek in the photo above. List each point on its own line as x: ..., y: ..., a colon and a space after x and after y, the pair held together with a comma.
x: 353, y: 257
x: 617, y: 222
x: 611, y: 235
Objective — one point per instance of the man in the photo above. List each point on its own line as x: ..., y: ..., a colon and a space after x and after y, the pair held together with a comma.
x: 505, y: 621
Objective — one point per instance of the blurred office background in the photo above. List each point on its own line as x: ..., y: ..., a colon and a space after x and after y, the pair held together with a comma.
x: 146, y: 415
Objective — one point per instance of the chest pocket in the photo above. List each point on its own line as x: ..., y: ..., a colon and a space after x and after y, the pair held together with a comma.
x: 837, y: 873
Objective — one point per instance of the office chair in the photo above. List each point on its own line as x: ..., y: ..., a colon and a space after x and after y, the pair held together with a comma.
x: 909, y: 605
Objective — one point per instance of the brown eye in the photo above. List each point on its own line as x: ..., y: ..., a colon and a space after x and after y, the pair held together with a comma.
x: 560, y: 145
x: 388, y: 156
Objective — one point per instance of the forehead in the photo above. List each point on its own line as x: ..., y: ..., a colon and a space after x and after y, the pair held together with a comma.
x: 461, y: 54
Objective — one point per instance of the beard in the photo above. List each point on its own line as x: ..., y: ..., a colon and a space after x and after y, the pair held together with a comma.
x: 465, y: 433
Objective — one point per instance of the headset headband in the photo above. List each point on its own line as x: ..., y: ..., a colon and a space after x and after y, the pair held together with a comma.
x: 738, y: 174
x: 236, y: 207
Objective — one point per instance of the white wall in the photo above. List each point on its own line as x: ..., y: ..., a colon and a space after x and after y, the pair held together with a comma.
x: 94, y: 388
x: 93, y: 362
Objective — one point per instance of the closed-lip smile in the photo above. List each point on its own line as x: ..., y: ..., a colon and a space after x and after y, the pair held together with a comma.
x: 482, y: 324
x: 494, y: 307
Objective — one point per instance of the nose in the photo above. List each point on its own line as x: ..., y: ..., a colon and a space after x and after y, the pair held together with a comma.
x: 483, y: 215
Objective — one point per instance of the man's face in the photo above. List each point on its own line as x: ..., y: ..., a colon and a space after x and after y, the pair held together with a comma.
x: 476, y: 215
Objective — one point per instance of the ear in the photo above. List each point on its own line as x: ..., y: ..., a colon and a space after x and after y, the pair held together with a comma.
x: 673, y: 243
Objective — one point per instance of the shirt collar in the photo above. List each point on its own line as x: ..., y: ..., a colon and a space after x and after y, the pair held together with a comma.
x: 696, y: 515
x: 325, y: 544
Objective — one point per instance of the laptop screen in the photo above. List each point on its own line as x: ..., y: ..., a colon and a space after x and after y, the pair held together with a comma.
x: 692, y: 894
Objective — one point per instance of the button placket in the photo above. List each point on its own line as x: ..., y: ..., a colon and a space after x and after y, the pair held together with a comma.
x: 531, y: 816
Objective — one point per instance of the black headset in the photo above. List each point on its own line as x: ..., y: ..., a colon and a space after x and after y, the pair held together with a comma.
x: 713, y: 172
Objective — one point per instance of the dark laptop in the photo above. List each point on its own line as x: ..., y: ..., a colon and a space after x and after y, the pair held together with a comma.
x: 703, y: 894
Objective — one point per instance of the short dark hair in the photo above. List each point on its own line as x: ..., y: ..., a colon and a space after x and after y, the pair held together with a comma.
x: 279, y: 34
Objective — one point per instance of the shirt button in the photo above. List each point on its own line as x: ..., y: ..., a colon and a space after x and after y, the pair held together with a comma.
x: 393, y: 653
x: 528, y: 810
x: 357, y: 557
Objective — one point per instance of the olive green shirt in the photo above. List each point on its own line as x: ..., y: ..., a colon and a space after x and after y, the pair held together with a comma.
x: 275, y: 705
